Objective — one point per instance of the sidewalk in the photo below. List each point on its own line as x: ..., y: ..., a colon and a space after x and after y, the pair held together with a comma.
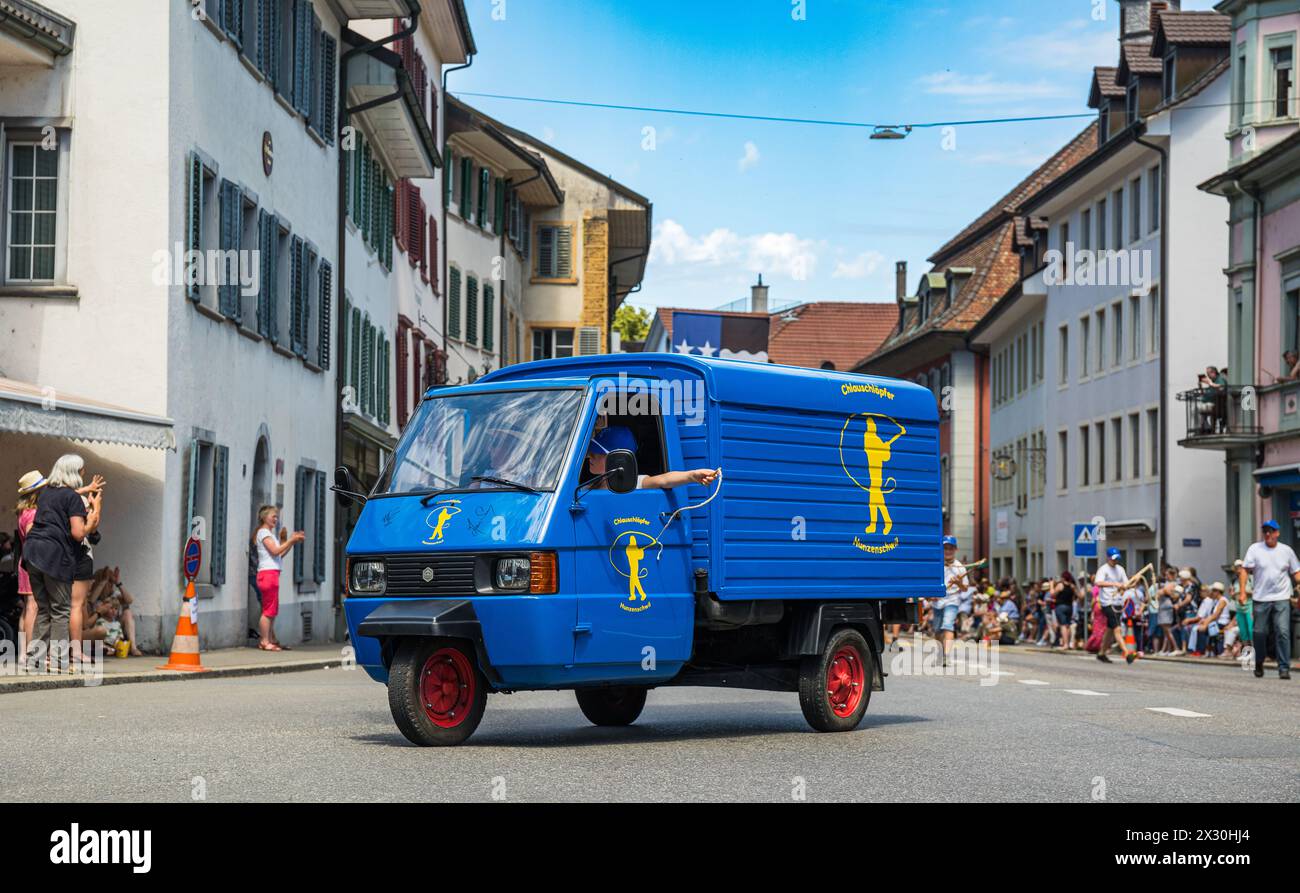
x: 220, y: 663
x: 1198, y: 661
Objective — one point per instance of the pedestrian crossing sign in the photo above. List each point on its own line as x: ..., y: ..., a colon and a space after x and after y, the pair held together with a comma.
x: 1085, y: 540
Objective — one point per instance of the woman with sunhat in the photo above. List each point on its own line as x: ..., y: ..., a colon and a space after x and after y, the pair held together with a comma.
x: 29, y: 486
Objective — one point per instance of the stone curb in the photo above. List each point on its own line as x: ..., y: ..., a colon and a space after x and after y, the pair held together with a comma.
x: 31, y: 683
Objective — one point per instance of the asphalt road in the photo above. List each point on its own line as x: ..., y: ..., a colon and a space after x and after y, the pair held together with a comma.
x: 327, y: 736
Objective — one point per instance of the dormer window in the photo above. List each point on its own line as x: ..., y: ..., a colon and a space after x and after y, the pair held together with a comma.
x: 1170, y: 72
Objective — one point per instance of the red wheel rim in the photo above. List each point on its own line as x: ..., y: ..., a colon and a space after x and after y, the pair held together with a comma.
x: 447, y: 687
x: 844, y: 679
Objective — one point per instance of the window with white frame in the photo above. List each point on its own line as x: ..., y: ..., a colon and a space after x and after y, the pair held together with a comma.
x: 1063, y: 460
x: 1117, y: 332
x: 1063, y: 354
x: 1282, y: 67
x: 34, y: 202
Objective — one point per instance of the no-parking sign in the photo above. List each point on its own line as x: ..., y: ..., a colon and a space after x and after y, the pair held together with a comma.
x: 193, y: 558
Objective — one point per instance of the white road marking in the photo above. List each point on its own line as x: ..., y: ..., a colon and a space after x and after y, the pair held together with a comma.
x: 1001, y: 673
x: 1087, y: 691
x: 1032, y: 682
x: 1176, y: 711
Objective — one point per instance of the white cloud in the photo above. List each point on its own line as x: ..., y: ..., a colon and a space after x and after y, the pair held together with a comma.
x: 771, y: 253
x: 749, y: 159
x: 976, y: 87
x: 860, y: 267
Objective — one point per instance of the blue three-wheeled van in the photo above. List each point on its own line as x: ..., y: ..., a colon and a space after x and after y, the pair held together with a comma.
x: 612, y: 524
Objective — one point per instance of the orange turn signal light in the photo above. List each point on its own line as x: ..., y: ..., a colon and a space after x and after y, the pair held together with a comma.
x: 543, y: 578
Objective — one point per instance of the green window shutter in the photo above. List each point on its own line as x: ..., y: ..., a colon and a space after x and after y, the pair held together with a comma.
x: 190, y: 488
x: 447, y: 174
x: 366, y: 188
x: 325, y: 302
x: 299, y: 520
x: 389, y: 209
x: 466, y: 189
x: 499, y: 214
x: 231, y: 213
x: 274, y: 45
x: 273, y: 311
x: 296, y: 274
x: 489, y: 296
x: 471, y: 310
x: 315, y: 83
x: 266, y: 271
x: 546, y: 252
x: 387, y: 380
x: 484, y: 184
x: 563, y: 252
x: 453, y: 303
x: 318, y: 559
x: 301, y: 54
x: 217, y: 561
x: 367, y: 345
x: 329, y: 85
x: 193, y: 222
x: 354, y: 358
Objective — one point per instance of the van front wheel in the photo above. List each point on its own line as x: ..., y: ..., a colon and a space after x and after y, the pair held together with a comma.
x: 613, y: 706
x: 835, y: 686
x: 436, y: 691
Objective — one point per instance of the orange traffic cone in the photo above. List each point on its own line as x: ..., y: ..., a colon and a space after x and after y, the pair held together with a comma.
x: 185, y: 644
x: 1130, y: 644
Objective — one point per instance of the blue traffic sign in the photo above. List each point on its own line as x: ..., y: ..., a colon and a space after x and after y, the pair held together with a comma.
x: 193, y: 558
x: 1085, y: 540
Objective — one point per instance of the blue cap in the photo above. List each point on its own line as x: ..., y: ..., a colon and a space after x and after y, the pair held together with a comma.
x: 1270, y: 524
x: 1112, y: 552
x: 950, y: 541
x: 614, y: 438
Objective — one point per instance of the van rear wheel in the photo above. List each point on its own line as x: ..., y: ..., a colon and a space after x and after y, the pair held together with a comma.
x: 436, y: 691
x: 617, y: 705
x: 835, y: 686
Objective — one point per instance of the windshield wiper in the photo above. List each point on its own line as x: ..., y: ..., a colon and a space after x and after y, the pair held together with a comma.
x: 430, y: 495
x: 505, y: 483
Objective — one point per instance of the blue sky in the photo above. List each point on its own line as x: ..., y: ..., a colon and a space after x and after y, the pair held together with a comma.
x: 822, y: 212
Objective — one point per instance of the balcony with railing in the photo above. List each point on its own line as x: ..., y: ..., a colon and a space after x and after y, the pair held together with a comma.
x: 1221, y: 418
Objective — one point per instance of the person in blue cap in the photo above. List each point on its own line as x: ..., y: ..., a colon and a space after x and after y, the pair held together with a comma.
x: 944, y: 617
x: 1275, y: 570
x: 1112, y: 581
x: 616, y: 437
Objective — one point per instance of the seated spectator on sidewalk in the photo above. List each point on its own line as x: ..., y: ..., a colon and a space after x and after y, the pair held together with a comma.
x: 108, y: 584
x: 105, y: 624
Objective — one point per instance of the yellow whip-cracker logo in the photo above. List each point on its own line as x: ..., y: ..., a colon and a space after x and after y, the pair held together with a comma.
x: 877, y: 451
x: 438, y: 518
x: 627, y: 557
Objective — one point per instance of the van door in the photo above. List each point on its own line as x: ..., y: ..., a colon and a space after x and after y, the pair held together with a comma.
x: 636, y: 604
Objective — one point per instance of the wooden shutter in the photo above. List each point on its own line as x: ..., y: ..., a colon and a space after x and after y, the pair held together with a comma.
x: 388, y: 221
x: 318, y: 559
x: 466, y: 206
x: 302, y: 57
x: 274, y: 67
x: 193, y: 224
x: 489, y: 298
x: 471, y: 310
x: 354, y: 355
x: 266, y: 271
x: 217, y: 539
x: 259, y: 53
x: 367, y: 346
x: 546, y: 252
x: 563, y: 252
x: 385, y: 378
x: 325, y: 301
x: 431, y: 253
x: 415, y: 223
x: 403, y: 386
x: 299, y: 520
x: 228, y: 212
x: 295, y: 294
x: 329, y: 83
x: 315, y: 87
x: 273, y: 310
x: 484, y: 184
x: 453, y: 303
x: 499, y: 212
x: 365, y: 190
x: 400, y: 230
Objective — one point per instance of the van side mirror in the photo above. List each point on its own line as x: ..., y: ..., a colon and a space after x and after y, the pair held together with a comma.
x: 346, y: 488
x: 620, y: 469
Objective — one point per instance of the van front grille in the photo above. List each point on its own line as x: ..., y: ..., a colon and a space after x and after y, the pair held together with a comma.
x: 452, y: 574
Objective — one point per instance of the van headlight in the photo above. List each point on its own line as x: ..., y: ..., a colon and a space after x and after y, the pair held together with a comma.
x: 512, y: 573
x: 368, y: 577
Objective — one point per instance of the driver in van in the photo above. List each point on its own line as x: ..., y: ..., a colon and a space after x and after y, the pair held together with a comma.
x: 615, y: 437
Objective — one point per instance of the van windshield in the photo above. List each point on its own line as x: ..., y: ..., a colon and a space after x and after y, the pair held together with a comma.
x: 491, y: 440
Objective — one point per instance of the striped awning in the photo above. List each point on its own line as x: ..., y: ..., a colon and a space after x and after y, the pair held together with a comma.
x: 49, y: 412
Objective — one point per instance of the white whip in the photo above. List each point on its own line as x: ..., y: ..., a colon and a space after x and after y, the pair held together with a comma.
x: 686, y: 508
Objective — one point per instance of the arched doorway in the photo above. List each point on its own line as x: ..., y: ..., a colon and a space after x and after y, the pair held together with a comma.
x: 259, y: 495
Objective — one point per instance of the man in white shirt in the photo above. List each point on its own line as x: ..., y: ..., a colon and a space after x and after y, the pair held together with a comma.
x: 1112, y: 581
x: 944, y: 617
x: 1274, y: 569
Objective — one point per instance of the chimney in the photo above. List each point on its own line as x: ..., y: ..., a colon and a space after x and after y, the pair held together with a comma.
x: 900, y: 280
x: 1137, y: 18
x: 758, y: 296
